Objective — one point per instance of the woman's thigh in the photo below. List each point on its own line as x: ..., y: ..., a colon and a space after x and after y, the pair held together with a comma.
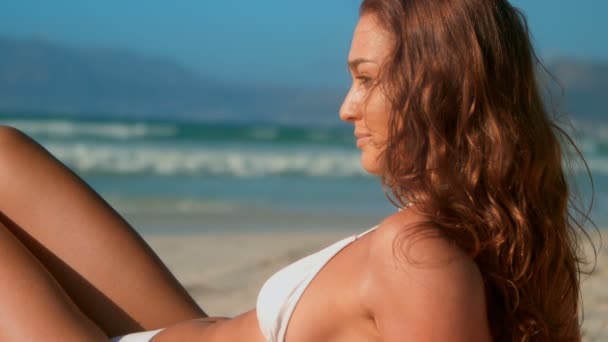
x: 33, y: 306
x: 107, y: 269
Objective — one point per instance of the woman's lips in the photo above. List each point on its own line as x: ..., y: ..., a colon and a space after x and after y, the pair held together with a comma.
x: 363, y: 139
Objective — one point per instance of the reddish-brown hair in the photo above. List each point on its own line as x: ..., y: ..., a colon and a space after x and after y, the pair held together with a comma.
x: 472, y: 145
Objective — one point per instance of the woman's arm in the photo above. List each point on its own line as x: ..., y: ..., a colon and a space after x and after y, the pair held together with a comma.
x: 215, y: 329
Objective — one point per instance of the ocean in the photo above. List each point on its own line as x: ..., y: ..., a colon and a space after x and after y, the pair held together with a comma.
x: 172, y: 177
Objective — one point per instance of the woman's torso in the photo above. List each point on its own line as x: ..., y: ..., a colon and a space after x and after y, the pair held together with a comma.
x: 330, y: 306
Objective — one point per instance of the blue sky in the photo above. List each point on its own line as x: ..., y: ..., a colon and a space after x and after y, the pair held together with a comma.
x: 300, y: 43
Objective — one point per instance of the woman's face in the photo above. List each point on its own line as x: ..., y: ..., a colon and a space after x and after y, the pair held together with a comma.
x: 365, y: 106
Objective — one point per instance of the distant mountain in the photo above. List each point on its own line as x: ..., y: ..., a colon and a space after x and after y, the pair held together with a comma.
x: 43, y: 77
x: 39, y: 76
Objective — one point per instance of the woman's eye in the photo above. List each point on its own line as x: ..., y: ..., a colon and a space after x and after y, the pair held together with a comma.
x: 364, y: 80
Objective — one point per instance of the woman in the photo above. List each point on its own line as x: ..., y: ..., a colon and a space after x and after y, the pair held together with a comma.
x: 446, y: 111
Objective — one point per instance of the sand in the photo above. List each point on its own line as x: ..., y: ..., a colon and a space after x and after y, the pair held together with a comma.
x: 224, y: 271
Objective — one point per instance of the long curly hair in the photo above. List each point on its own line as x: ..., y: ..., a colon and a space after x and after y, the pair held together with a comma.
x: 471, y: 143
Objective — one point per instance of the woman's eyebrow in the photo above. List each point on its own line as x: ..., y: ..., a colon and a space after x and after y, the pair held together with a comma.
x: 353, y: 64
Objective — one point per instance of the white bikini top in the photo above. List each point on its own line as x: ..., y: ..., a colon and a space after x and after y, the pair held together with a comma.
x: 282, y: 291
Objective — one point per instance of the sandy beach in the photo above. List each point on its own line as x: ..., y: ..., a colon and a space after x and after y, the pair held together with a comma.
x: 225, y: 270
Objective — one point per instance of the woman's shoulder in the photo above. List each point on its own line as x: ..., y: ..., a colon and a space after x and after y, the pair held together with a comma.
x: 407, y: 237
x: 420, y: 283
x: 405, y: 243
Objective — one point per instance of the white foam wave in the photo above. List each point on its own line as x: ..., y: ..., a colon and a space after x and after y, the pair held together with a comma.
x: 113, y: 130
x: 172, y: 160
x: 169, y: 161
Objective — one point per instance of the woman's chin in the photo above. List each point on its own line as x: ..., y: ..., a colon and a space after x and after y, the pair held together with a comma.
x: 370, y: 164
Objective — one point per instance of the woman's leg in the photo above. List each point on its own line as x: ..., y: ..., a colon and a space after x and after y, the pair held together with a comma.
x: 107, y: 269
x: 33, y: 307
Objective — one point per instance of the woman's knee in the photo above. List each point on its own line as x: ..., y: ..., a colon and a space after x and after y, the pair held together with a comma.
x: 16, y: 146
x: 20, y: 156
x: 12, y: 138
x: 10, y: 133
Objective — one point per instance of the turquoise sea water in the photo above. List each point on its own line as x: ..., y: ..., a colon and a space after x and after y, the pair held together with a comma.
x: 224, y: 170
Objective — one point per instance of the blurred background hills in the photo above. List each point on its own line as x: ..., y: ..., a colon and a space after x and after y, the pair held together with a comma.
x: 44, y: 77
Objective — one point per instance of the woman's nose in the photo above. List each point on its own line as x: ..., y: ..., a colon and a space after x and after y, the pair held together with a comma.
x: 348, y: 111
